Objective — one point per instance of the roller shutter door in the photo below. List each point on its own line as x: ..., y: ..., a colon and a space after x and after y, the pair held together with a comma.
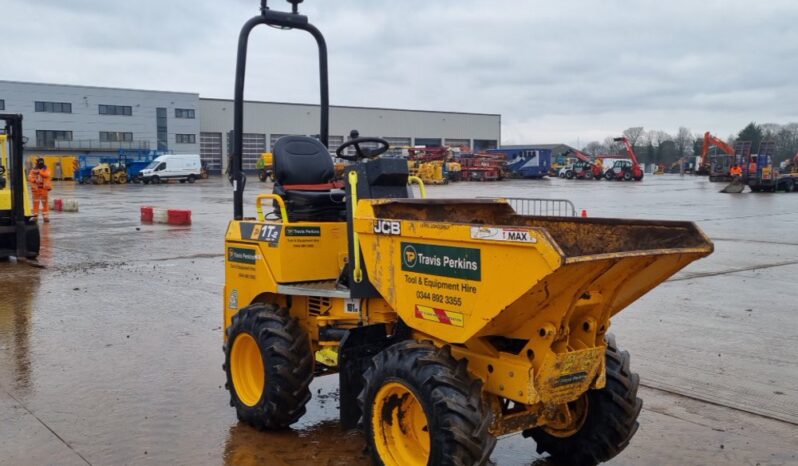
x: 211, y: 151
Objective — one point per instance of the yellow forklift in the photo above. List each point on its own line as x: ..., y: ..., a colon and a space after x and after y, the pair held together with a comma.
x: 19, y: 232
x: 448, y: 321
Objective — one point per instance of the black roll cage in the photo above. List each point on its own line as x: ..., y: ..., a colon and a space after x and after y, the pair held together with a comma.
x: 281, y: 20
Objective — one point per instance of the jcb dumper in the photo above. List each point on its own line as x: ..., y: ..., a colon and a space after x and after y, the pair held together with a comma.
x: 449, y: 322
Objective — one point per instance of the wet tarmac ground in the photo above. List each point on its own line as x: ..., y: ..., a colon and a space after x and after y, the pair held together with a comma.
x: 111, y: 352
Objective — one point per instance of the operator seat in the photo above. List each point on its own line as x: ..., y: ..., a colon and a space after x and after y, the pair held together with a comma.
x: 304, y: 172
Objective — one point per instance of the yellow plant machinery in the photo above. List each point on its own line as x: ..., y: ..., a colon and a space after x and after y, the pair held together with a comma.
x: 19, y: 233
x: 448, y: 321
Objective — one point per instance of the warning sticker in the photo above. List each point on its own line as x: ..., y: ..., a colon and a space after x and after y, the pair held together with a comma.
x: 440, y: 316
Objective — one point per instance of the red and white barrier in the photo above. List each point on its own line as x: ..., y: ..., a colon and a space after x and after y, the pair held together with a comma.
x: 64, y: 205
x: 151, y: 214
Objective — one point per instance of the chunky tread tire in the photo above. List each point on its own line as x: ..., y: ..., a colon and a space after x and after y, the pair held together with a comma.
x: 287, y: 361
x: 611, y: 418
x: 458, y: 418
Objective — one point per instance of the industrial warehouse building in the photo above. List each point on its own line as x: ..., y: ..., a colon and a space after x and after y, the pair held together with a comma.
x: 75, y: 120
x: 61, y: 119
x: 266, y: 122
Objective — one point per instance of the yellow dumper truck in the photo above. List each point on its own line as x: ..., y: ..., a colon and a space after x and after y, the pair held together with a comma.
x: 448, y: 321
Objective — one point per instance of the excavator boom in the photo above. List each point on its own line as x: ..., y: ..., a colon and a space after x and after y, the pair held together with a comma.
x: 710, y: 140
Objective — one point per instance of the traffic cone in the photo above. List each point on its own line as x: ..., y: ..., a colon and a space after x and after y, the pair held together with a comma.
x: 584, y: 213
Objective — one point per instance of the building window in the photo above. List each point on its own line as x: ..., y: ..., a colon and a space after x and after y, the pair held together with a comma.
x: 184, y: 113
x: 484, y: 144
x: 429, y: 142
x: 160, y: 124
x: 115, y: 136
x: 47, y: 138
x: 186, y: 138
x: 124, y: 110
x: 54, y: 107
x: 2, y: 104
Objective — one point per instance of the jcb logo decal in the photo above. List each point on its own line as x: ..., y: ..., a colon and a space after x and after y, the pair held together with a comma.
x: 387, y: 227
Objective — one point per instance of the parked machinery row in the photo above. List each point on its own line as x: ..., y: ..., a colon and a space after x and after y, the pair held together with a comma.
x: 139, y: 167
x: 588, y: 168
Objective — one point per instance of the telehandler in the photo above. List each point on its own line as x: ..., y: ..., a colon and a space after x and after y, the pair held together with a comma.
x: 448, y: 321
x: 19, y: 232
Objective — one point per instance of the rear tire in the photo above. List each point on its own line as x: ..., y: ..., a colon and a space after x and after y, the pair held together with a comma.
x: 627, y: 176
x: 611, y: 419
x: 789, y: 186
x: 569, y: 175
x: 269, y: 391
x: 420, y: 406
x: 33, y: 241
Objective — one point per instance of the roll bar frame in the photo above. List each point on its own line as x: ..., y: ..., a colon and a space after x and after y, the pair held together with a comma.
x: 281, y: 20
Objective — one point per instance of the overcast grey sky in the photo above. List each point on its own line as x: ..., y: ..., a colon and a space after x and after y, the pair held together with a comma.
x: 557, y: 71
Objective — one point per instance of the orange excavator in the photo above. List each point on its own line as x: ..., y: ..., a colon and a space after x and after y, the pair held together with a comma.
x: 709, y: 141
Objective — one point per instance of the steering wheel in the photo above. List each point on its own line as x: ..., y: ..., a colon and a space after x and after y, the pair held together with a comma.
x: 362, y: 152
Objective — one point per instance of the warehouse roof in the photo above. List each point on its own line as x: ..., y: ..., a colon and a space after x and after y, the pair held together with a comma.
x: 354, y: 107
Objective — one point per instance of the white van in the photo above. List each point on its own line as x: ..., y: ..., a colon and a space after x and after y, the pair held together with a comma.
x: 182, y: 167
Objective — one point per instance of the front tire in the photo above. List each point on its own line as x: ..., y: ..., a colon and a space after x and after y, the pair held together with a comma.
x: 191, y: 179
x: 269, y: 366
x: 610, y: 421
x: 155, y: 179
x: 421, y: 407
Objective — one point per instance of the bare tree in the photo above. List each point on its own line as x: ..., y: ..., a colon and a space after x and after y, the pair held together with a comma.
x: 769, y: 130
x: 595, y: 148
x: 657, y: 137
x: 634, y: 135
x: 684, y: 142
x: 614, y: 148
x: 786, y: 142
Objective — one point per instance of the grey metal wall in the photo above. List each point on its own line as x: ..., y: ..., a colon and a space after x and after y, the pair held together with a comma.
x: 86, y: 122
x: 269, y: 119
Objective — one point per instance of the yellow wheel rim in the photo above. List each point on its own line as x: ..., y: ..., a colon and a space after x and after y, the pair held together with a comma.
x: 246, y: 367
x: 401, y: 431
x: 570, y: 419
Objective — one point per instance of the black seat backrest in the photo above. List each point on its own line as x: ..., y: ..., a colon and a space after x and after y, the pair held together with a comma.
x: 302, y: 160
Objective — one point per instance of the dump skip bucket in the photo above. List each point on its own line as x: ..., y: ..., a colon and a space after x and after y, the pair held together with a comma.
x: 496, y: 270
